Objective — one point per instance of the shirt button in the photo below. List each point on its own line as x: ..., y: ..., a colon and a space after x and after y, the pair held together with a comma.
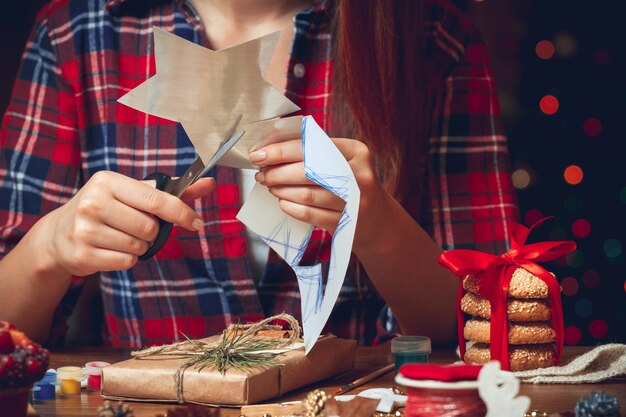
x: 298, y: 70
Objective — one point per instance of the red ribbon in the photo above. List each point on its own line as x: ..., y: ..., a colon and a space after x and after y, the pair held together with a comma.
x: 497, y: 272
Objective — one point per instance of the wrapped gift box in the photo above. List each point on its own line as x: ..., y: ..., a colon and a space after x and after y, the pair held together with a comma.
x: 152, y: 378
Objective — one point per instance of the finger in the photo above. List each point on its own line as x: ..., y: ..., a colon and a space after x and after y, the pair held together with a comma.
x: 278, y: 153
x: 287, y: 174
x: 130, y: 221
x: 113, y: 239
x: 314, y: 196
x: 199, y: 189
x: 349, y: 148
x: 324, y: 218
x: 161, y: 204
x: 111, y: 260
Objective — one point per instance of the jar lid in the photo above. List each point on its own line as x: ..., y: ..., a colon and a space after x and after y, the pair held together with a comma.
x: 70, y: 372
x: 411, y: 344
x: 48, y: 378
x: 95, y: 368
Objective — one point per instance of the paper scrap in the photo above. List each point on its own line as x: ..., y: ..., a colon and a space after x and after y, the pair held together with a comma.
x: 326, y: 166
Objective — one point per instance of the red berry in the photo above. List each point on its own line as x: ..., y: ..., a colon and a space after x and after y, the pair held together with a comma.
x: 34, y: 347
x: 6, y: 363
x: 6, y: 342
x: 32, y: 366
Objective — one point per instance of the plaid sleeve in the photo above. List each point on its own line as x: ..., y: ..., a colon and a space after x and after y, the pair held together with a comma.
x: 39, y: 147
x: 470, y: 197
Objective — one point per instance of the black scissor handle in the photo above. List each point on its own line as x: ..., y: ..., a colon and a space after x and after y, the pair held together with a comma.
x: 165, y: 228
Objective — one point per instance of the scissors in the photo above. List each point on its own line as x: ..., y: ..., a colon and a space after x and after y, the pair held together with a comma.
x: 177, y: 186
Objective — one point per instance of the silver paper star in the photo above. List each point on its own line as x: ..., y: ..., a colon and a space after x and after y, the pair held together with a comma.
x: 208, y: 91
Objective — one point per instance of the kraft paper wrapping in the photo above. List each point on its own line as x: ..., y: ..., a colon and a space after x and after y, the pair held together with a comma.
x: 152, y: 378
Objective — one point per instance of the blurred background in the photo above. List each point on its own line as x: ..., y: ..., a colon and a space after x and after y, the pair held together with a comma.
x: 560, y: 71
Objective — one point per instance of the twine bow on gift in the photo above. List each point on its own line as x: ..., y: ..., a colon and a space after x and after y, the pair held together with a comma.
x: 497, y: 272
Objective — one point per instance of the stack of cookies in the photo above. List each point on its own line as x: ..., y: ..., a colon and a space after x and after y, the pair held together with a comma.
x: 530, y: 332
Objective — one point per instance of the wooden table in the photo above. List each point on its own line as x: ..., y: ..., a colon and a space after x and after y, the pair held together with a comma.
x: 551, y: 398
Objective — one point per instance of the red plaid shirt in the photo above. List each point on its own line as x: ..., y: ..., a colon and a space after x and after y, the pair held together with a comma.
x: 64, y: 124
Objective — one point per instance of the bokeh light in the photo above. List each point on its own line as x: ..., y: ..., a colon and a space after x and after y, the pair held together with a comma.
x: 581, y: 228
x: 520, y: 178
x: 598, y: 328
x: 532, y: 216
x: 622, y: 195
x: 573, y: 174
x: 592, y: 127
x: 549, y: 104
x: 572, y: 335
x: 569, y: 285
x: 583, y: 308
x: 612, y: 248
x: 565, y: 45
x: 573, y: 204
x: 544, y: 49
x: 591, y: 279
x: 602, y: 56
x: 575, y: 259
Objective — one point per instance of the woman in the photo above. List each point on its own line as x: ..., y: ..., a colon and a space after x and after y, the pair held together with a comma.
x: 404, y: 88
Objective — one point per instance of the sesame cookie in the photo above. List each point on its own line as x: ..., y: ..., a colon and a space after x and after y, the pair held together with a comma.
x: 521, y: 357
x: 530, y: 333
x: 523, y: 285
x: 516, y: 309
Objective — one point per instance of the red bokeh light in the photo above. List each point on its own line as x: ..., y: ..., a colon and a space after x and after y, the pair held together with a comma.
x: 573, y: 174
x: 598, y: 328
x: 569, y: 286
x: 544, y: 49
x: 572, y: 335
x: 591, y: 279
x: 581, y: 228
x: 532, y: 216
x: 592, y: 127
x: 549, y: 104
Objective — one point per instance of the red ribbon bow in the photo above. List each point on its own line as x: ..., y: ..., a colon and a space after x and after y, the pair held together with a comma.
x: 497, y: 272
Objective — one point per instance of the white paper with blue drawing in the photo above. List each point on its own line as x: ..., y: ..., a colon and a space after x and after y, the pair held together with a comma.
x: 325, y: 165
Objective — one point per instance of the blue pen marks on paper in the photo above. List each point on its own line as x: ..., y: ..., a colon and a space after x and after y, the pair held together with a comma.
x: 325, y: 165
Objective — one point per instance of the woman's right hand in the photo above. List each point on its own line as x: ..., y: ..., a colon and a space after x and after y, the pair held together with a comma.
x: 109, y: 223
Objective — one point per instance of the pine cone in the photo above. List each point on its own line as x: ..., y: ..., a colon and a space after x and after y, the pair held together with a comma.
x: 597, y: 404
x: 314, y: 404
x: 118, y: 410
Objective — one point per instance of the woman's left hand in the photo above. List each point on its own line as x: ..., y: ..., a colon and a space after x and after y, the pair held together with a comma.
x: 282, y: 172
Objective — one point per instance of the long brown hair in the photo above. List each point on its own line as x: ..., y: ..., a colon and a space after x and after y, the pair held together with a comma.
x: 381, y: 89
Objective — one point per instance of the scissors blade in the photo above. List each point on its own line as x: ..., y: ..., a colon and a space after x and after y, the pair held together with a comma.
x: 197, y: 169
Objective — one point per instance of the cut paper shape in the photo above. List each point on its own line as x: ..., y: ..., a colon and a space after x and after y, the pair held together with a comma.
x: 208, y: 91
x: 326, y: 166
x: 498, y: 389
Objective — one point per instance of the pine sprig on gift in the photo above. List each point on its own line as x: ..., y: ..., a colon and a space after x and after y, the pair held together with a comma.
x: 241, y: 351
x: 118, y: 410
x: 597, y: 404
